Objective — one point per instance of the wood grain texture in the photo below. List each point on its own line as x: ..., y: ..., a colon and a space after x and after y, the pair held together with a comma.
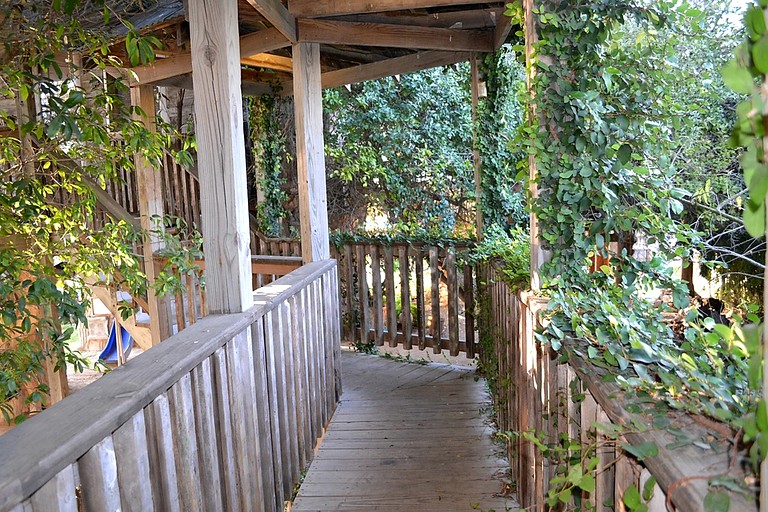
x: 221, y: 154
x: 389, y: 447
x: 58, y: 495
x: 98, y: 477
x: 277, y: 15
x: 310, y: 156
x: 318, y: 8
x: 205, y: 416
x: 261, y: 402
x: 132, y: 456
x: 394, y: 36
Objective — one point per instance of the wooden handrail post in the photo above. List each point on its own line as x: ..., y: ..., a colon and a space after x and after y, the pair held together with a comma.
x: 150, y: 200
x: 221, y: 154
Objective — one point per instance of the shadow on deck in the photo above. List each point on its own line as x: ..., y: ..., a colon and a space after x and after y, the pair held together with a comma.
x: 406, y: 437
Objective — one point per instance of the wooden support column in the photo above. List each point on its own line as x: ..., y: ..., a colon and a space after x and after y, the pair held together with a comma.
x: 310, y: 157
x: 539, y: 256
x: 221, y: 154
x: 476, y: 150
x: 150, y: 192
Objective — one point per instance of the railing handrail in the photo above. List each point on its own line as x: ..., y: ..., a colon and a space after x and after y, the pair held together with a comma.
x: 681, y: 472
x: 35, y: 451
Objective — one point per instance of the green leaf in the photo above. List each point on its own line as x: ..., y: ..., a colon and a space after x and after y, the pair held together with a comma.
x: 762, y: 416
x: 737, y: 78
x: 642, y: 450
x: 624, y: 154
x: 755, y: 22
x: 631, y: 497
x: 754, y: 218
x: 649, y: 487
x: 587, y: 483
x: 760, y: 54
x: 717, y: 502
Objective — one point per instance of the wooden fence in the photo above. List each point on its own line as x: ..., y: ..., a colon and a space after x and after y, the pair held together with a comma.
x: 378, y: 280
x: 223, y: 416
x: 536, y: 391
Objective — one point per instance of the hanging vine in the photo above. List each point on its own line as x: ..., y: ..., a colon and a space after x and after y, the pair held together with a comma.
x: 267, y: 151
x: 600, y: 139
x: 498, y: 117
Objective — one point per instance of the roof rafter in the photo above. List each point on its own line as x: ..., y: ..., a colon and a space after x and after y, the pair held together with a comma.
x: 277, y: 15
x: 321, y: 8
x: 395, y: 36
x: 384, y: 68
x: 180, y: 64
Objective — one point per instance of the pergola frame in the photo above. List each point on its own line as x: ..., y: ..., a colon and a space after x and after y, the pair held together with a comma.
x: 212, y: 67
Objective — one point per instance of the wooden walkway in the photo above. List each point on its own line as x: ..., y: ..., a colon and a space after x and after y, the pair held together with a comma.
x: 406, y: 437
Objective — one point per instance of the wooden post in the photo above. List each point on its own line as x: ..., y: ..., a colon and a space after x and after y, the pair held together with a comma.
x: 150, y: 198
x: 539, y: 256
x: 310, y: 157
x: 221, y: 154
x: 476, y: 151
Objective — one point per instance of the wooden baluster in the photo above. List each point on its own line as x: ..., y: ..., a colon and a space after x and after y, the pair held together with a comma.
x: 347, y: 270
x: 434, y: 267
x: 469, y: 309
x: 389, y: 283
x: 405, y: 297
x: 362, y: 283
x: 378, y: 318
x: 132, y: 456
x: 191, y: 308
x: 453, y: 302
x: 421, y: 310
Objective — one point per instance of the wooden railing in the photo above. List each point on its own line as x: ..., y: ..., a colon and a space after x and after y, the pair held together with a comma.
x: 223, y: 416
x: 537, y: 392
x: 408, y: 294
x: 189, y: 302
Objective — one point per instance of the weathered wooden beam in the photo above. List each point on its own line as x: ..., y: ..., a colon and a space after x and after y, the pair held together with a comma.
x: 395, y: 36
x: 181, y: 64
x: 278, y: 16
x: 150, y: 199
x: 320, y: 8
x: 502, y: 30
x: 269, y: 61
x: 248, y: 87
x: 384, y: 68
x: 310, y: 158
x: 221, y: 154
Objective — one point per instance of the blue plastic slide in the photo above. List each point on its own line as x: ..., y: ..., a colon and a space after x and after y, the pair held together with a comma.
x: 109, y: 354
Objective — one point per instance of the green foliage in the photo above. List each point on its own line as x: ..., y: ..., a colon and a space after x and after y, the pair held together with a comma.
x: 512, y: 250
x: 81, y: 132
x: 747, y: 73
x: 602, y: 149
x: 267, y: 144
x: 499, y: 115
x: 404, y: 143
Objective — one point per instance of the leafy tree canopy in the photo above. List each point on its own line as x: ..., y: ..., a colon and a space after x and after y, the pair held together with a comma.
x: 69, y: 127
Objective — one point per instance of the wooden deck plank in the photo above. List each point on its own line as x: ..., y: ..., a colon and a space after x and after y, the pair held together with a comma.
x: 401, y: 424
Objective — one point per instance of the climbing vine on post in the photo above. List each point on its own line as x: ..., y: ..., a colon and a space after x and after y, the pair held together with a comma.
x: 747, y: 74
x: 268, y: 150
x: 599, y: 137
x: 499, y: 116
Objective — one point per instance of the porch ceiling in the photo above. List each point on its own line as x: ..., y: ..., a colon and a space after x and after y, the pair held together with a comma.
x: 359, y: 39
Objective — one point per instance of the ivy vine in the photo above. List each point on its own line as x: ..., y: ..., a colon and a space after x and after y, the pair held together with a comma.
x: 600, y: 133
